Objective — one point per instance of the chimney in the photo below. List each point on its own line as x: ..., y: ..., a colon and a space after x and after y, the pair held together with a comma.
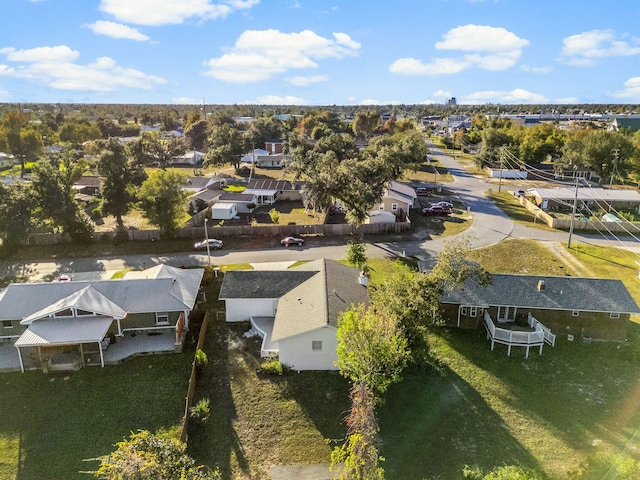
x: 540, y: 285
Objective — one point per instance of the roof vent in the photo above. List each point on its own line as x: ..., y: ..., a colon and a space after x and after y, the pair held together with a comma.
x: 540, y: 285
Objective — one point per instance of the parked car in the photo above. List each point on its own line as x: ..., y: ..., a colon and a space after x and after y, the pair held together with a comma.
x: 443, y: 204
x: 291, y: 241
x: 436, y: 210
x: 519, y: 193
x: 424, y: 192
x: 214, y: 244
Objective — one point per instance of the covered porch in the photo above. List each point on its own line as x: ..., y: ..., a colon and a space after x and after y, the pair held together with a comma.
x: 73, y: 343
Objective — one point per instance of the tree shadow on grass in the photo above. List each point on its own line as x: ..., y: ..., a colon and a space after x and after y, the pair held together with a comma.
x: 432, y: 425
x: 215, y: 442
x: 575, y: 392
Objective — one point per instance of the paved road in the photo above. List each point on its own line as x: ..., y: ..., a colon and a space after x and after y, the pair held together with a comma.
x: 490, y: 225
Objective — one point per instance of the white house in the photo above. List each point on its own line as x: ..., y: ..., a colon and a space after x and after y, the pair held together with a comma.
x: 398, y: 199
x: 295, y: 311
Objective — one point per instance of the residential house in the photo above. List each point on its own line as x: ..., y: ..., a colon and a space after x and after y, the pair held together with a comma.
x: 242, y: 200
x: 295, y: 311
x: 62, y: 325
x: 562, y: 198
x: 203, y: 191
x: 277, y: 160
x: 191, y: 158
x: 398, y: 199
x: 6, y: 160
x: 268, y: 191
x: 625, y: 123
x: 253, y: 155
x: 274, y: 146
x: 595, y: 307
x: 88, y: 185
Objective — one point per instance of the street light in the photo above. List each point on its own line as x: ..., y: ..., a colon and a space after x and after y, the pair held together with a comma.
x: 206, y: 236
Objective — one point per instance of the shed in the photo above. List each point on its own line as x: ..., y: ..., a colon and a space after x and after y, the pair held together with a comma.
x: 224, y: 211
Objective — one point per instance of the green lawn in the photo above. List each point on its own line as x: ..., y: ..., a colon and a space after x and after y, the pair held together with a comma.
x: 52, y: 422
x: 510, y: 205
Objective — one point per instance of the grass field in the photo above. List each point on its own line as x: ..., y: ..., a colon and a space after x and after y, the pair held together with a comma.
x: 51, y: 423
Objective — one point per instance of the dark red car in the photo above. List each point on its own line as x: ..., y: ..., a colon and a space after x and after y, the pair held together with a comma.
x: 424, y: 192
x: 436, y: 210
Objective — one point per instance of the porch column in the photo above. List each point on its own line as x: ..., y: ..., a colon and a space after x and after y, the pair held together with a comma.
x: 186, y: 319
x: 82, y: 356
x: 101, y: 355
x: 20, y: 357
x: 119, y: 328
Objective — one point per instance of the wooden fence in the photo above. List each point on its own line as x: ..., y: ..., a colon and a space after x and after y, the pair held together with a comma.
x: 193, y: 380
x: 579, y: 224
x: 240, y: 230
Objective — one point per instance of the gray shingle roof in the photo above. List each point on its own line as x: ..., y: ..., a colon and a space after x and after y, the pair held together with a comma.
x: 560, y: 293
x: 311, y: 295
x: 163, y: 293
x: 319, y: 301
x: 260, y: 284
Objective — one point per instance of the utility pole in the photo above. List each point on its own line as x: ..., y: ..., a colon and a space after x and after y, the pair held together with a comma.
x: 614, y: 169
x: 501, y: 163
x: 573, y: 214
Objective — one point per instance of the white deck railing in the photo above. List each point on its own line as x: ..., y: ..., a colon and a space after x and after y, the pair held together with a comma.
x: 549, y: 337
x: 516, y: 338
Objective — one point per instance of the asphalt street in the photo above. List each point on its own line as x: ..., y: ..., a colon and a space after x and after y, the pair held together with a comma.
x: 490, y: 225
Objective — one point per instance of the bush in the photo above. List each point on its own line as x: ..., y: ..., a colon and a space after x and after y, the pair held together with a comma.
x: 96, y: 214
x: 201, y: 358
x: 274, y: 215
x: 120, y: 235
x: 274, y: 367
x: 201, y: 410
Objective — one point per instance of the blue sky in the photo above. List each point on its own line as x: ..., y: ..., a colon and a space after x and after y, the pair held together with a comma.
x: 317, y: 52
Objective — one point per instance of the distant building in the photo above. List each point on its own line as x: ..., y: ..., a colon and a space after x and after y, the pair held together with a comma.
x: 452, y: 102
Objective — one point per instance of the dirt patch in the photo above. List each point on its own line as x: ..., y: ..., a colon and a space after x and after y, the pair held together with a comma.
x: 575, y: 266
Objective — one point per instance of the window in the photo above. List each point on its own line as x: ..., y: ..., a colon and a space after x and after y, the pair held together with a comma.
x: 394, y: 207
x: 316, y: 345
x: 463, y: 311
x: 473, y: 311
x: 162, y: 318
x: 575, y: 313
x: 614, y: 315
x: 7, y: 324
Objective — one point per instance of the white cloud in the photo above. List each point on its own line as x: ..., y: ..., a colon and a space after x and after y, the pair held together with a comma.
x: 536, y: 70
x: 59, y: 72
x: 300, y: 81
x: 117, y: 30
x: 259, y: 54
x: 584, y: 48
x: 57, y: 54
x: 474, y: 38
x: 442, y: 93
x: 493, y: 49
x: 631, y: 90
x: 373, y: 101
x: 165, y: 12
x: 277, y: 100
x: 516, y: 95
